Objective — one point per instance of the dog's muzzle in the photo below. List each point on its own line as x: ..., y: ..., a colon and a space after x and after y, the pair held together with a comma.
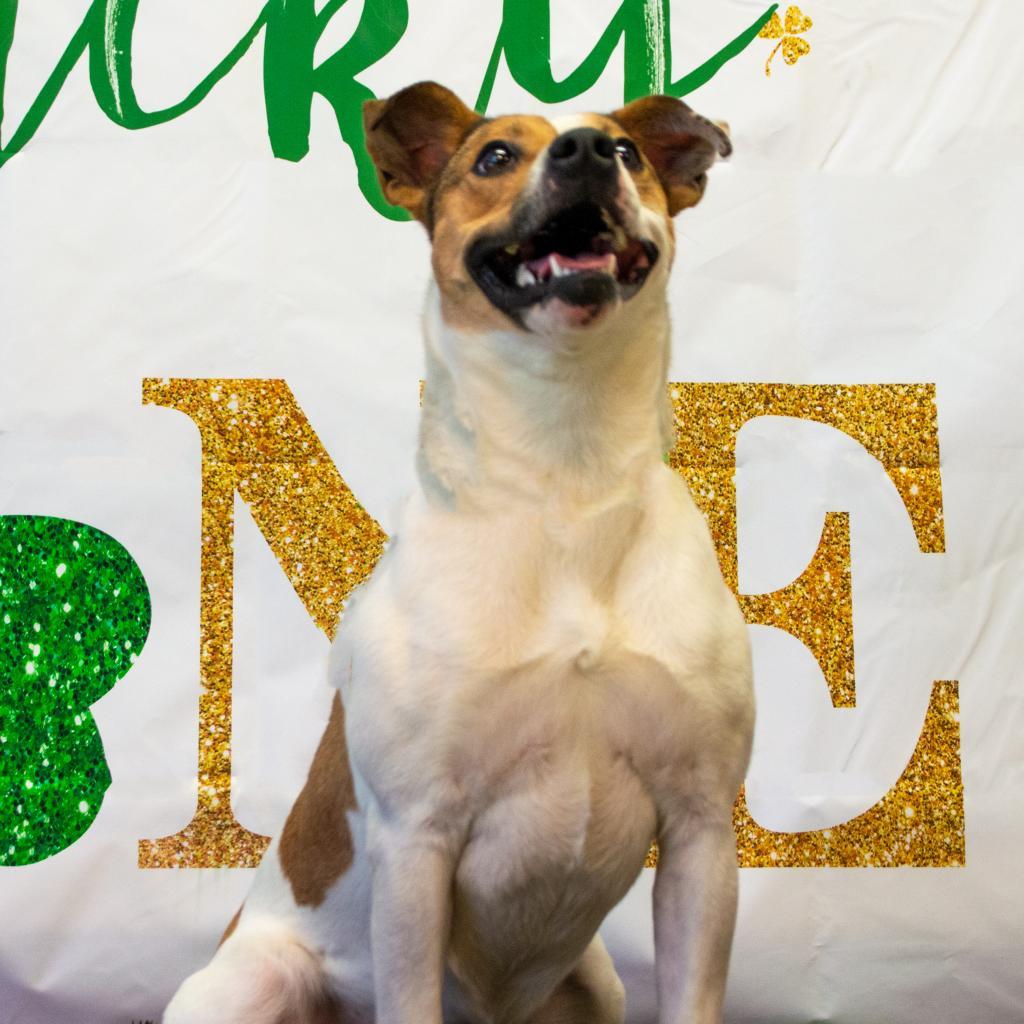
x: 568, y: 242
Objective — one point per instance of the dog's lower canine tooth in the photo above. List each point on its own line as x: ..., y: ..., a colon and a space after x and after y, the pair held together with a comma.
x: 557, y: 270
x: 524, y: 276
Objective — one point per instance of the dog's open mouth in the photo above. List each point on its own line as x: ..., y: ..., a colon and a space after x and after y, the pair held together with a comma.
x: 581, y: 255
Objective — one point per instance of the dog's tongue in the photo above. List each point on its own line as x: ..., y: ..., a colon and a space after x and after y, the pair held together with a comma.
x: 542, y: 268
x: 584, y: 261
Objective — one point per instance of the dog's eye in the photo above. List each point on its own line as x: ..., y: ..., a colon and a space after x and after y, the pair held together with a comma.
x: 494, y: 158
x: 628, y: 154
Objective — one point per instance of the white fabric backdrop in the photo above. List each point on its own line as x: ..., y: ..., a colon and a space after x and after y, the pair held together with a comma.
x: 867, y: 229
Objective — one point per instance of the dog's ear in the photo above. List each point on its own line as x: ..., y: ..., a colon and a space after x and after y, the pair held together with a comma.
x: 411, y: 136
x: 679, y: 144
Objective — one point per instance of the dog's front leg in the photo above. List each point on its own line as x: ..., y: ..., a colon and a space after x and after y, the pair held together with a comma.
x: 409, y: 923
x: 694, y: 914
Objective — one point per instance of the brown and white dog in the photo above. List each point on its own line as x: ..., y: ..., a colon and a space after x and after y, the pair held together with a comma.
x: 546, y: 669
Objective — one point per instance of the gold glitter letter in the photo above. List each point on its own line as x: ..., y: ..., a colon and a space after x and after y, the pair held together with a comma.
x: 256, y: 440
x: 920, y: 821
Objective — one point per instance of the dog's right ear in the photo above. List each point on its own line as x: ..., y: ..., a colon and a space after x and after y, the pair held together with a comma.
x: 411, y: 137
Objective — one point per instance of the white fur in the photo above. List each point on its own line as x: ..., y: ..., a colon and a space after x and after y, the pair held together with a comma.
x: 545, y: 671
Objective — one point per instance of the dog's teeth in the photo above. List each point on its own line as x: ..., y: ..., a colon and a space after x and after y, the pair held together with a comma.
x: 524, y: 276
x: 511, y: 249
x: 620, y: 237
x: 557, y: 270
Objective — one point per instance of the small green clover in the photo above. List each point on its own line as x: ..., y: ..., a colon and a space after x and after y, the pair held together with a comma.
x: 74, y: 614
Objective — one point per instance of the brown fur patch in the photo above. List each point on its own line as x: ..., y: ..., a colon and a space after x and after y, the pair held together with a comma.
x: 316, y: 844
x: 677, y: 144
x: 648, y: 185
x: 467, y: 205
x: 410, y: 137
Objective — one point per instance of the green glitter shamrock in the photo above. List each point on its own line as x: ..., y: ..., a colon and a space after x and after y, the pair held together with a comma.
x: 74, y: 614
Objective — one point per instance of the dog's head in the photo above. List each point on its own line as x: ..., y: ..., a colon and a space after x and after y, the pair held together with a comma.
x: 545, y: 226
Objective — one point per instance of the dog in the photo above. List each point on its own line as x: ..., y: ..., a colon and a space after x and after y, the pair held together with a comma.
x: 546, y: 669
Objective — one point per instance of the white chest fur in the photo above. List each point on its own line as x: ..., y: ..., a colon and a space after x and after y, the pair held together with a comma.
x: 544, y: 685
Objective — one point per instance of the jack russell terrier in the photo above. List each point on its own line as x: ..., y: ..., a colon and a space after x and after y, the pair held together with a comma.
x: 546, y: 669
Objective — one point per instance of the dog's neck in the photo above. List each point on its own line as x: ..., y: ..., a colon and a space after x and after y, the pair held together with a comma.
x: 509, y: 419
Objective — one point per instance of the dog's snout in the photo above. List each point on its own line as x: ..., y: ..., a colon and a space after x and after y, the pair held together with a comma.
x: 582, y: 151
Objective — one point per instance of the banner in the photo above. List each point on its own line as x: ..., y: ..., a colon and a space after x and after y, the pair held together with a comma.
x: 209, y: 398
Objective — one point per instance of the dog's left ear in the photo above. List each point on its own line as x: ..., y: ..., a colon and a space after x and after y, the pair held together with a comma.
x: 411, y: 136
x: 679, y: 144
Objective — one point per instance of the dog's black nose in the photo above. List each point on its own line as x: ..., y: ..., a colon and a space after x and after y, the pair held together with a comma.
x: 583, y: 151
